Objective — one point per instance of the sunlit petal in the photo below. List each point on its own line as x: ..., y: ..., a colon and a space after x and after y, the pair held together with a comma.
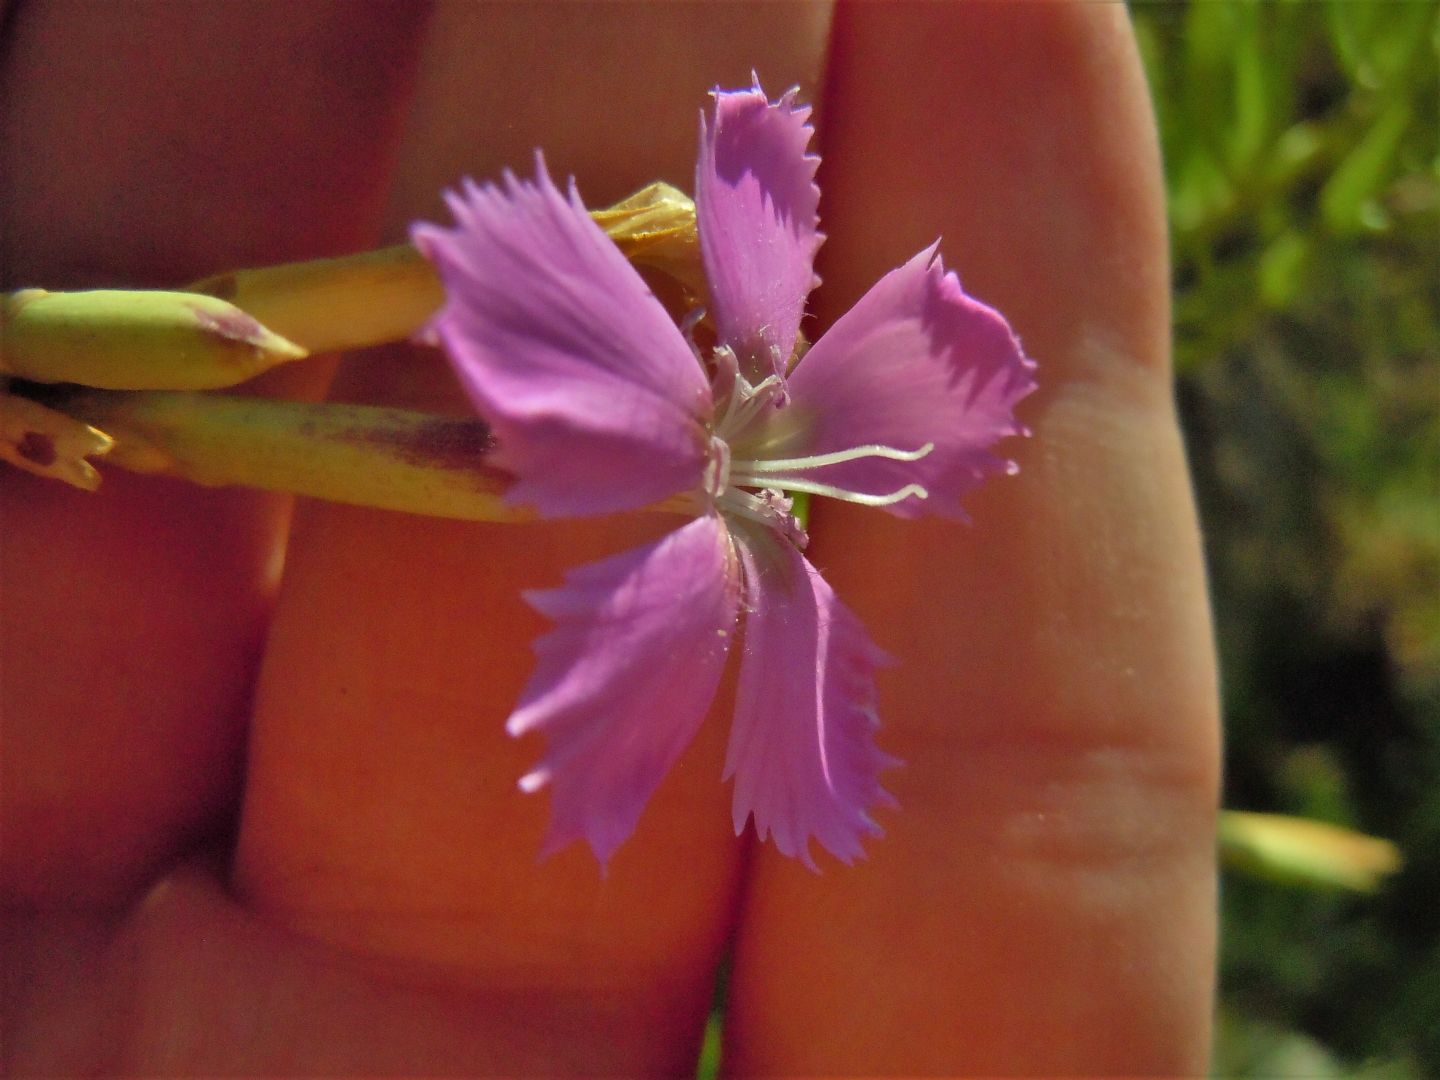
x: 802, y: 750
x: 597, y: 402
x: 755, y: 206
x: 625, y: 677
x: 916, y: 361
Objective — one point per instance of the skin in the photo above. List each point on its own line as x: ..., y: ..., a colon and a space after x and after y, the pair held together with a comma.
x: 267, y: 824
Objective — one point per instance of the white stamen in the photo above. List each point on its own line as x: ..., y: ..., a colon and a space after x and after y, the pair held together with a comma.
x: 717, y: 469
x: 747, y: 505
x: 815, y: 461
x: 691, y: 320
x: 725, y: 386
x: 745, y: 402
x: 795, y: 483
x: 769, y: 508
x: 724, y: 478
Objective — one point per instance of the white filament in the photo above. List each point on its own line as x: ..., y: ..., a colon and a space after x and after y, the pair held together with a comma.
x: 779, y: 474
x: 838, y: 457
x: 795, y: 483
x: 749, y: 506
x: 745, y: 402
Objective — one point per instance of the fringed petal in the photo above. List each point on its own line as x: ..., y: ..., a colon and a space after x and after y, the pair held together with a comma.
x: 625, y: 677
x: 802, y: 750
x: 597, y: 402
x: 755, y: 207
x: 916, y: 361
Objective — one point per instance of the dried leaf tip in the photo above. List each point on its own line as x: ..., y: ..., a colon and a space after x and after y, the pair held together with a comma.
x: 656, y: 227
x: 50, y: 444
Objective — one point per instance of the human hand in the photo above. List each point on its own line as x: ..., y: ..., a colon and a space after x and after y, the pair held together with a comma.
x: 1043, y: 901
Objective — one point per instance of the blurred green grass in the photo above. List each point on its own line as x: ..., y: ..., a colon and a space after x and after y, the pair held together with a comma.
x: 1303, y: 166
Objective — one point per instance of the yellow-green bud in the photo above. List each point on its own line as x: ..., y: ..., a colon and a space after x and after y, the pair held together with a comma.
x: 135, y: 340
x: 1304, y: 852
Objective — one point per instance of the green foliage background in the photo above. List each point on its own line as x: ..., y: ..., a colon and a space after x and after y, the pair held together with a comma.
x: 1304, y: 182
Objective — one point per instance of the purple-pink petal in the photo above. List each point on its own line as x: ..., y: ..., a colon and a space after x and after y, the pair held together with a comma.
x: 625, y: 677
x: 916, y: 361
x: 755, y: 207
x: 802, y: 749
x: 597, y: 402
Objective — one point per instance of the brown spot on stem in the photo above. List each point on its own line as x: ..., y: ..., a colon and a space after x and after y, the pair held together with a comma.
x: 445, y: 443
x: 37, y: 447
x: 449, y: 444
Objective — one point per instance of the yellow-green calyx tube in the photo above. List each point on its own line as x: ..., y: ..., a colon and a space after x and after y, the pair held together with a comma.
x: 135, y: 340
x: 157, y: 346
x: 393, y: 459
x: 354, y: 301
x: 330, y: 305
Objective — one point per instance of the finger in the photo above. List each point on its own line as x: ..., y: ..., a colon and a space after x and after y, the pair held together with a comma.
x: 382, y: 813
x: 152, y: 1004
x: 149, y: 144
x: 1043, y: 903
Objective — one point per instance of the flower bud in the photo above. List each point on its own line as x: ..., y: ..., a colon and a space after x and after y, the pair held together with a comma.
x: 135, y: 340
x: 1304, y: 852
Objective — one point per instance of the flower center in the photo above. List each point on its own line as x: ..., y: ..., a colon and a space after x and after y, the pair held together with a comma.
x: 727, y: 477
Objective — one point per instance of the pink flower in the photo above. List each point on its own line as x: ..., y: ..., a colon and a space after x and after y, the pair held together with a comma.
x: 600, y: 404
